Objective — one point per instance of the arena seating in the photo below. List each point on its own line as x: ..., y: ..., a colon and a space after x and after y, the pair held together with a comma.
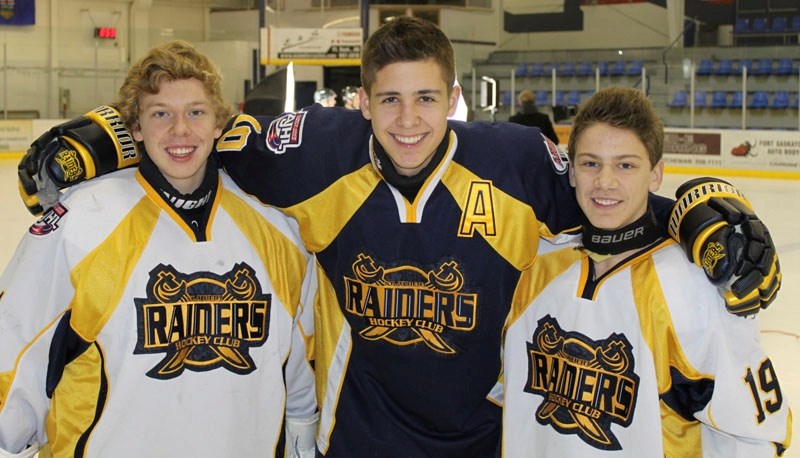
x: 780, y: 100
x: 705, y: 67
x: 785, y: 67
x: 573, y: 98
x: 584, y: 68
x: 759, y: 25
x: 724, y: 67
x: 680, y: 99
x: 700, y: 98
x: 760, y: 100
x: 634, y: 68
x: 567, y: 69
x: 763, y: 67
x: 736, y: 100
x: 616, y: 68
x: 719, y: 99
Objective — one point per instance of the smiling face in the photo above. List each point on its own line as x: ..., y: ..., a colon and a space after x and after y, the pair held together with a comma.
x: 408, y: 105
x: 612, y: 175
x: 178, y: 126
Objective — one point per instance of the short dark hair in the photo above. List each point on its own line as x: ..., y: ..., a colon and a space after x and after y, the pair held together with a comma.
x: 407, y: 39
x: 625, y: 108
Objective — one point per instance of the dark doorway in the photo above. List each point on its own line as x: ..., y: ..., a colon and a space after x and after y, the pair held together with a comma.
x: 304, y: 93
x: 337, y: 78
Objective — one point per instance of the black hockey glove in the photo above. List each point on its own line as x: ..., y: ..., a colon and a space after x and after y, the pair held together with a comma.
x: 77, y: 150
x: 718, y: 230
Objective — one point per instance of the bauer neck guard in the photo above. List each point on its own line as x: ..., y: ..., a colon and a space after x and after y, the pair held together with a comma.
x: 602, y: 243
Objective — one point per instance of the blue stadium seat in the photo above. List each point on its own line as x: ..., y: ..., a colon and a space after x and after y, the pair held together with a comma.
x: 705, y: 67
x: 679, y: 100
x: 567, y: 69
x: 719, y: 99
x: 542, y: 98
x: 764, y: 67
x: 635, y: 68
x: 785, y: 67
x: 521, y: 71
x: 780, y: 100
x: 547, y: 69
x: 742, y: 64
x: 759, y: 25
x: 584, y: 68
x: 760, y: 100
x: 616, y: 68
x: 573, y: 98
x: 603, y: 66
x: 736, y: 100
x: 795, y: 101
x: 536, y: 69
x: 795, y: 25
x: 700, y: 99
x: 724, y: 67
x: 780, y: 24
x: 559, y: 98
x: 505, y: 98
x: 742, y: 25
x: 588, y: 94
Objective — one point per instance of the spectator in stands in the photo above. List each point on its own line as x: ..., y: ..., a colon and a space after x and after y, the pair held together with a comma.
x: 529, y: 115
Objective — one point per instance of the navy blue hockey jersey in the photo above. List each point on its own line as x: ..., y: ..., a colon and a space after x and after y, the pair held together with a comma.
x: 413, y: 295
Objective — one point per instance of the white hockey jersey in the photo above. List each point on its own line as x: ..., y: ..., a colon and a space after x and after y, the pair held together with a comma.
x: 121, y: 335
x: 642, y: 362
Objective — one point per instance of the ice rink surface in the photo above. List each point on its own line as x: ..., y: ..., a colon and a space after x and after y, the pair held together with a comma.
x: 777, y: 202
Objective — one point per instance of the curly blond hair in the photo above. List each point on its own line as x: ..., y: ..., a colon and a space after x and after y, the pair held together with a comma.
x: 170, y: 61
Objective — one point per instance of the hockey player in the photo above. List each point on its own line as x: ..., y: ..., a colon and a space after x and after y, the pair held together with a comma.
x: 325, y: 97
x: 621, y: 347
x: 421, y: 228
x: 171, y: 303
x: 350, y: 98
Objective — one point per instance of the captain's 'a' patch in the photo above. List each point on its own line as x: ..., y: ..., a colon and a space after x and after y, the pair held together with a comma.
x: 202, y: 321
x: 587, y: 384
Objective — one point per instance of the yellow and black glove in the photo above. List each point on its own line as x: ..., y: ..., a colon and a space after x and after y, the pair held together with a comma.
x: 77, y: 150
x: 718, y: 230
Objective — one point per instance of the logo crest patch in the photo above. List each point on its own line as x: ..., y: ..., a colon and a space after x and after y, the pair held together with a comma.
x: 202, y: 321
x: 49, y: 221
x: 286, y: 132
x: 587, y: 384
x: 404, y: 305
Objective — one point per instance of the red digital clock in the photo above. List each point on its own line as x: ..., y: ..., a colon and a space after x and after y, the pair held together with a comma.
x: 109, y: 33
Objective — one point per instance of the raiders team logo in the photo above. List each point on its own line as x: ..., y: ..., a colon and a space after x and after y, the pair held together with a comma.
x: 587, y: 385
x: 202, y: 321
x: 70, y: 166
x: 713, y: 253
x: 286, y: 132
x: 405, y: 305
x: 49, y: 221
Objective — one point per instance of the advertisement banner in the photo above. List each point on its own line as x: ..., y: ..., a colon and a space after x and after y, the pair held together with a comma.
x: 279, y: 46
x: 15, y: 135
x: 733, y: 150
